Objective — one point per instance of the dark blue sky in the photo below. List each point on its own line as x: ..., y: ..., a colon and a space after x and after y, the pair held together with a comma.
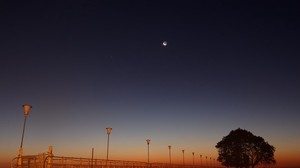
x: 228, y: 64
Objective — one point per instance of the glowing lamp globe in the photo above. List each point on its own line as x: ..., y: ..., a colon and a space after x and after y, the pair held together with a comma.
x: 108, y: 130
x: 26, y: 108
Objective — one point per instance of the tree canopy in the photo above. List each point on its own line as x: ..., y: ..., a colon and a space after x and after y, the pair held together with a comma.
x: 243, y: 149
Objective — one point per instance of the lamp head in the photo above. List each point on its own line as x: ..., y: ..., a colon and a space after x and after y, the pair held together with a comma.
x: 26, y: 108
x: 108, y: 130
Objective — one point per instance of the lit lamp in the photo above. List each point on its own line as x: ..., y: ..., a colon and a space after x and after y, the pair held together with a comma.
x: 26, y: 108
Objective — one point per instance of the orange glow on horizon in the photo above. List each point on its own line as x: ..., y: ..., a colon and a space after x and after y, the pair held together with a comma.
x: 158, y: 154
x: 282, y: 159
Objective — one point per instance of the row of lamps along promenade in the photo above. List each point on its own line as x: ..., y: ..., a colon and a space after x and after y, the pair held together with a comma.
x: 27, y: 108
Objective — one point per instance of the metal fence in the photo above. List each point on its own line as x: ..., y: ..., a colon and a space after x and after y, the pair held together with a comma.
x: 50, y: 161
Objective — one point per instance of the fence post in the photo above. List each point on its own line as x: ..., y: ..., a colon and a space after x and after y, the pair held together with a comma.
x: 50, y: 157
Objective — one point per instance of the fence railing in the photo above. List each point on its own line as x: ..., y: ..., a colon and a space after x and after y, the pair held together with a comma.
x: 50, y: 161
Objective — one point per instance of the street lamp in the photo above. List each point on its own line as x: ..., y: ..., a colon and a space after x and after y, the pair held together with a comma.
x: 26, y: 108
x: 108, y: 130
x: 169, y: 154
x: 193, y: 159
x: 183, y: 157
x: 148, y: 142
x: 206, y: 161
x: 200, y: 160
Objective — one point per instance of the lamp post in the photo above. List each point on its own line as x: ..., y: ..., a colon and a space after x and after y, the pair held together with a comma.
x: 108, y: 130
x: 182, y: 157
x: 206, y: 161
x: 169, y: 154
x: 193, y: 159
x: 92, y: 165
x: 200, y: 160
x: 148, y: 142
x: 26, y: 108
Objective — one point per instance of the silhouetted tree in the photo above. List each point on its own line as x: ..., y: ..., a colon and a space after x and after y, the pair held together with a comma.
x: 243, y: 149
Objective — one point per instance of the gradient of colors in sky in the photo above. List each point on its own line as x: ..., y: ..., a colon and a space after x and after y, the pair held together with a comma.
x: 88, y: 65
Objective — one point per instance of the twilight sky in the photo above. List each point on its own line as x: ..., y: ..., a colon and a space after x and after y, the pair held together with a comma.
x: 88, y: 65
